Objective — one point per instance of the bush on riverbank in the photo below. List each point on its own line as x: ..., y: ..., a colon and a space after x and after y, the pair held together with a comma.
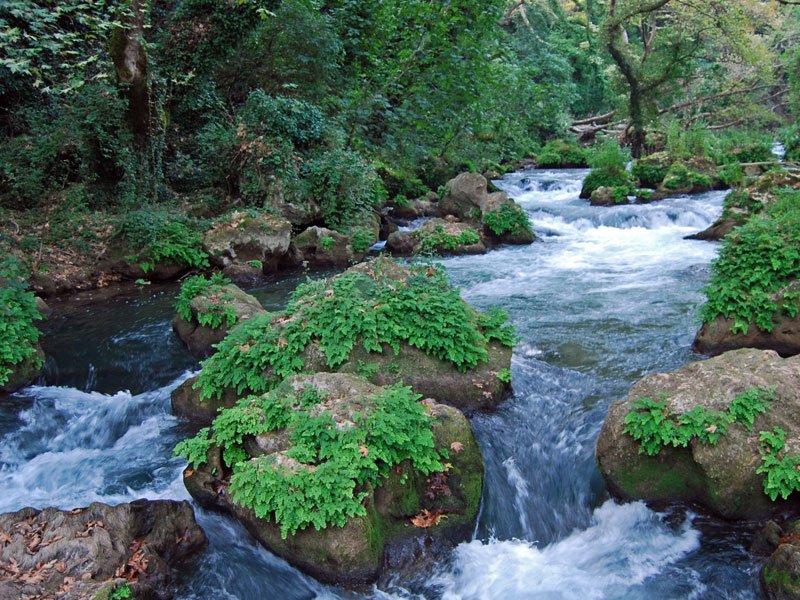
x: 756, y: 264
x: 20, y: 356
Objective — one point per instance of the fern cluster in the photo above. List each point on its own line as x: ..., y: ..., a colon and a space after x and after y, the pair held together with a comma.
x: 654, y: 426
x: 18, y: 312
x: 439, y: 239
x: 782, y: 477
x: 336, y: 454
x: 159, y: 236
x: 375, y: 311
x: 509, y: 218
x: 756, y: 264
x: 217, y: 311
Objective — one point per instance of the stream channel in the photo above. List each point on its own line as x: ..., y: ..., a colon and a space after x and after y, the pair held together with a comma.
x: 605, y: 296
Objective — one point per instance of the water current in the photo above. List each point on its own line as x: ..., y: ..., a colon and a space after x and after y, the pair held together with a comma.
x: 605, y: 296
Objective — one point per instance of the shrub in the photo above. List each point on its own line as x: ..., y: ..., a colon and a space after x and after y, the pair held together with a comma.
x: 509, y: 218
x: 18, y: 312
x: 681, y: 177
x: 649, y: 172
x: 731, y: 174
x: 756, y: 263
x: 159, y: 236
x: 329, y: 470
x: 343, y: 185
x: 361, y: 239
x: 562, y: 154
x: 375, y: 311
x: 217, y: 311
x: 608, y: 163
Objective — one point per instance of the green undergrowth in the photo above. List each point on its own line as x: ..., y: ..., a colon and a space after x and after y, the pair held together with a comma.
x: 336, y: 457
x: 217, y: 311
x: 655, y: 426
x: 374, y: 308
x: 440, y: 240
x: 18, y: 313
x: 509, y: 218
x: 756, y: 264
x: 561, y: 154
x: 157, y: 236
x: 681, y: 177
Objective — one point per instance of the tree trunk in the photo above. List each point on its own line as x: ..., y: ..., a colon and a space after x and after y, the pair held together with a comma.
x: 130, y: 64
x: 637, y: 139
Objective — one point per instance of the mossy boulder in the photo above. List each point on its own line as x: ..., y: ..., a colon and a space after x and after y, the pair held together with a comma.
x: 437, y: 236
x: 721, y: 477
x: 780, y: 575
x: 89, y: 552
x: 320, y: 247
x: 229, y: 301
x: 399, y: 510
x: 25, y: 372
x: 501, y: 219
x: 248, y: 239
x: 608, y: 178
x: 418, y: 330
x: 692, y: 176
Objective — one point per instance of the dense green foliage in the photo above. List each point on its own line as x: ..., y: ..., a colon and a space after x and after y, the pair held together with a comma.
x: 439, y: 240
x: 681, y: 177
x: 162, y: 236
x: 216, y: 311
x: 18, y: 313
x: 509, y: 218
x: 609, y: 163
x: 374, y: 310
x: 756, y: 264
x: 562, y: 154
x: 654, y: 426
x: 329, y: 469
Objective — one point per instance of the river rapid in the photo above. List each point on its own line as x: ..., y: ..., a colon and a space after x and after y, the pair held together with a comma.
x: 605, y: 296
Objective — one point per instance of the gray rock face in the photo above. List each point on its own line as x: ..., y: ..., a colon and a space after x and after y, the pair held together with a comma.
x: 355, y: 553
x: 720, y: 477
x: 200, y: 339
x: 243, y: 238
x: 87, y: 552
x: 467, y: 193
x: 424, y: 239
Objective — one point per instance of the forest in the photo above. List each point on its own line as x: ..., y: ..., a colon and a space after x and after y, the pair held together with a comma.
x: 372, y: 298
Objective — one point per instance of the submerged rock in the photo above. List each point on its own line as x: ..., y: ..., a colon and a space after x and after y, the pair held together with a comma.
x: 89, y: 552
x: 402, y: 510
x: 223, y: 300
x: 721, y: 477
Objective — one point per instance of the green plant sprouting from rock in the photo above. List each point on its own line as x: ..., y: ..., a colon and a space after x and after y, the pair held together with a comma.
x: 218, y: 309
x: 782, y: 477
x: 338, y: 451
x: 440, y: 240
x: 655, y: 426
x: 18, y: 312
x: 371, y: 308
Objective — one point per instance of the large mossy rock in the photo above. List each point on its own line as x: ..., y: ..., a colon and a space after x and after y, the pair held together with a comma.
x: 720, y: 477
x: 230, y: 302
x: 437, y: 236
x: 400, y: 511
x: 320, y: 247
x: 245, y: 239
x: 717, y: 336
x: 25, y: 372
x: 445, y: 349
x: 88, y: 552
x: 500, y: 218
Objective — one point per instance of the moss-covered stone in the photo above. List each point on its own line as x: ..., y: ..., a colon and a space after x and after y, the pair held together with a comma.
x: 356, y: 552
x: 721, y: 477
x: 200, y: 339
x: 247, y: 238
x: 25, y: 372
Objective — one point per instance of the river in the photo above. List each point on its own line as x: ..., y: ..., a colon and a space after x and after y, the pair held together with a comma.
x: 605, y: 296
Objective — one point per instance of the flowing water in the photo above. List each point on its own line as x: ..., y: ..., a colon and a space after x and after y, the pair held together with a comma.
x: 605, y: 296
